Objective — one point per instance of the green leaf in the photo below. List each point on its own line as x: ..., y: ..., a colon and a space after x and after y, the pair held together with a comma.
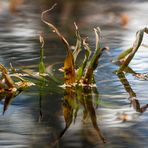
x: 42, y: 68
x: 124, y: 54
x: 88, y: 78
x: 78, y: 43
x: 136, y: 45
x: 81, y: 69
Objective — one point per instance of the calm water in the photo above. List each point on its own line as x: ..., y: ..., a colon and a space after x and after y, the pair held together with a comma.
x: 34, y: 122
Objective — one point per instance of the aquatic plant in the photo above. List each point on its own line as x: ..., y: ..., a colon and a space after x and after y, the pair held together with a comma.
x: 11, y: 85
x: 124, y: 59
x: 84, y: 74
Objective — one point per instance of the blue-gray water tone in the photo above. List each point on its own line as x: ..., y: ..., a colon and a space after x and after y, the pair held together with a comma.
x: 120, y: 123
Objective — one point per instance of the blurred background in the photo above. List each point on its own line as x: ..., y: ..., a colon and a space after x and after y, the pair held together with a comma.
x: 118, y: 120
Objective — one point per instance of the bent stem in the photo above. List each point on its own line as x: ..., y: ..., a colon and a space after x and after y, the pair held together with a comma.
x: 69, y: 68
x: 126, y: 56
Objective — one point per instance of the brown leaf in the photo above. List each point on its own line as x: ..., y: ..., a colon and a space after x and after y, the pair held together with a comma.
x: 8, y: 80
x: 69, y: 70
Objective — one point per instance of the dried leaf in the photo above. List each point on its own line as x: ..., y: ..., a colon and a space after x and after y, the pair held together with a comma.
x: 69, y: 71
x: 8, y: 80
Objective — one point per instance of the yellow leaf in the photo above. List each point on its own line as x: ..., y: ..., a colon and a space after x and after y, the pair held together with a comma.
x: 69, y: 71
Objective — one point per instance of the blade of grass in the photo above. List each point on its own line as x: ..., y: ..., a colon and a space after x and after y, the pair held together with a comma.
x: 124, y: 54
x: 78, y: 43
x: 42, y: 68
x: 54, y: 29
x: 81, y: 69
x: 136, y: 45
x: 88, y: 78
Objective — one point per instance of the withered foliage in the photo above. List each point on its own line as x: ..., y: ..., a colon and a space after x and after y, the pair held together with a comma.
x: 10, y: 88
x: 73, y: 74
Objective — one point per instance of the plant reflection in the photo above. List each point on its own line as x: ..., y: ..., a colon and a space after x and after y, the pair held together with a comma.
x: 132, y: 95
x: 8, y: 96
x: 76, y: 99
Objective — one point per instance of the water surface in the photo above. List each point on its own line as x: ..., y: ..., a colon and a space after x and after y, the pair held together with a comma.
x: 34, y: 121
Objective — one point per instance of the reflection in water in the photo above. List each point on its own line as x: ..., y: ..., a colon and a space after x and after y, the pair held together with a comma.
x: 19, y: 126
x: 132, y: 95
x: 76, y: 99
x: 7, y: 97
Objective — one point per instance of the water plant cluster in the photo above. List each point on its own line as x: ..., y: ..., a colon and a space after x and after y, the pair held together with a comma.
x: 84, y: 74
x: 11, y: 84
x: 73, y: 75
x: 78, y: 80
